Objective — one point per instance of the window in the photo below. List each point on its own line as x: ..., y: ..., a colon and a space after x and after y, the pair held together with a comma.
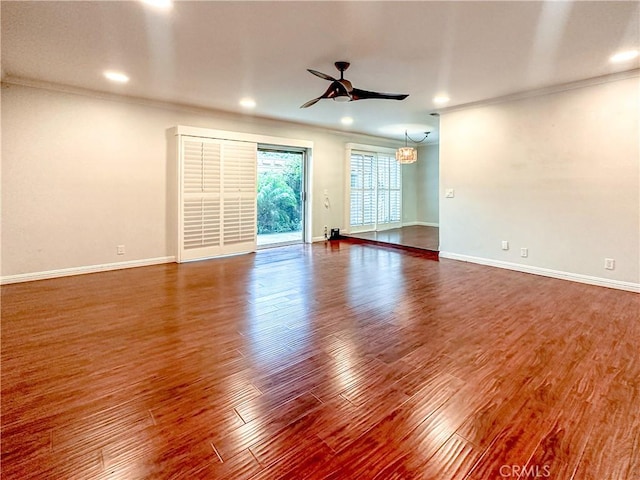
x: 375, y: 190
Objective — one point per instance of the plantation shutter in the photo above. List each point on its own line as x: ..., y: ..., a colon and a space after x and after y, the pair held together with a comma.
x: 383, y: 189
x: 363, y: 193
x: 239, y: 196
x: 395, y: 191
x: 201, y: 200
x: 389, y: 193
x: 217, y: 198
x: 375, y: 191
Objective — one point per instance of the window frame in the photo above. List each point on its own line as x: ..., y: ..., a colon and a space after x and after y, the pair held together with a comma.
x: 376, y: 152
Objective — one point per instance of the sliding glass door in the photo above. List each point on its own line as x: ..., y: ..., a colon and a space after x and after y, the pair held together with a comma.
x: 280, y: 196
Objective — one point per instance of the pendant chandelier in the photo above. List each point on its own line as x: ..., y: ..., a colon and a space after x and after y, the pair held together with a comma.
x: 408, y: 154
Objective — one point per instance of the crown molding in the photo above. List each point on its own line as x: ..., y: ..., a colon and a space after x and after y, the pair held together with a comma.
x: 550, y: 90
x: 8, y: 80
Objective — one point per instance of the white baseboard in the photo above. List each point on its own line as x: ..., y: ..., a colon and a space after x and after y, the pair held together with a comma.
x: 66, y: 272
x: 545, y: 272
x: 421, y: 224
x: 318, y: 239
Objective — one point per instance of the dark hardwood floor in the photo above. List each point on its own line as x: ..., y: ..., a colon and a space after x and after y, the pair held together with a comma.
x: 336, y: 360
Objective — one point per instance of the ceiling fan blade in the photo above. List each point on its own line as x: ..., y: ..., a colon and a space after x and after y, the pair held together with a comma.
x: 321, y: 75
x: 311, y: 102
x: 357, y: 94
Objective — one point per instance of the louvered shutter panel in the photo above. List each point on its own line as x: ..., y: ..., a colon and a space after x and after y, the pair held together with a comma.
x: 201, y: 201
x: 357, y: 180
x: 383, y: 189
x: 363, y: 192
x: 395, y: 193
x: 376, y: 197
x: 239, y: 196
x: 217, y: 198
x: 369, y: 191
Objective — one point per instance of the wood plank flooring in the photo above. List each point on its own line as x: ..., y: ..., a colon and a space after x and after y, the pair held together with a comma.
x: 330, y: 361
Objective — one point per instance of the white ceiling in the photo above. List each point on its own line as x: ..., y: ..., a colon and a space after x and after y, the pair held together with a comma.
x: 211, y: 54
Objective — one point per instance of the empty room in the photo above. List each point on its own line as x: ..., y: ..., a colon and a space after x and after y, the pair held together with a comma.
x: 320, y: 240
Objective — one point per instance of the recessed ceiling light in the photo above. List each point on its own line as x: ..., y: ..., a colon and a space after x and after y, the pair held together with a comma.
x: 117, y: 77
x: 346, y: 120
x: 623, y: 56
x: 440, y: 99
x: 159, y: 4
x: 247, y: 103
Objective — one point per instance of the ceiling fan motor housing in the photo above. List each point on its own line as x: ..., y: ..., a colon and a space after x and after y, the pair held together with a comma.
x: 342, y: 66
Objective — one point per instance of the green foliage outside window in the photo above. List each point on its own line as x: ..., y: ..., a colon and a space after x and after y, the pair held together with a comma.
x: 279, y: 199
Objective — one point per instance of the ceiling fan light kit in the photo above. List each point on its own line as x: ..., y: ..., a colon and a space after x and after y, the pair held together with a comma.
x: 342, y: 90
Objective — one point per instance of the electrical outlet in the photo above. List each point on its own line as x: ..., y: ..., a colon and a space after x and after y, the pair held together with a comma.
x: 524, y: 252
x: 609, y: 263
x: 449, y: 193
x: 326, y: 232
x: 505, y: 245
x: 120, y: 250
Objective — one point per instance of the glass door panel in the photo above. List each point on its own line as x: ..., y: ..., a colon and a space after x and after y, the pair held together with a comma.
x: 280, y: 197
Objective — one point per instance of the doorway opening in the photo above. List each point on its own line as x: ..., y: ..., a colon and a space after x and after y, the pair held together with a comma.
x: 281, y: 196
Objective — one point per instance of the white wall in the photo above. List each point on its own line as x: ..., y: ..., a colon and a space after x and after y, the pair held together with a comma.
x: 558, y: 174
x: 410, y: 193
x: 427, y: 177
x: 420, y: 188
x: 83, y: 173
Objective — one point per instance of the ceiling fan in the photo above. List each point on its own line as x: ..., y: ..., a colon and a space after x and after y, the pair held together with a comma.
x: 342, y: 89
